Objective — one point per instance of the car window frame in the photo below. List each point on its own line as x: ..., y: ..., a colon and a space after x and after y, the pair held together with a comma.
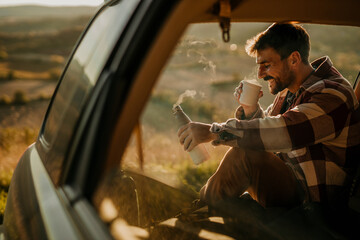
x: 43, y: 147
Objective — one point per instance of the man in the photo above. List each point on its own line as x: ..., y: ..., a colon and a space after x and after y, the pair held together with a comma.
x: 304, y: 147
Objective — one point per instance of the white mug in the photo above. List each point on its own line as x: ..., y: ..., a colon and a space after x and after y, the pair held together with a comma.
x: 250, y: 92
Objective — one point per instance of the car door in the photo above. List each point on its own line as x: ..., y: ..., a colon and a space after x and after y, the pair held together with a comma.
x: 115, y: 115
x: 37, y: 207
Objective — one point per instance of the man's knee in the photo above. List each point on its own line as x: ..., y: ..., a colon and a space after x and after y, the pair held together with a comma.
x: 244, y: 161
x: 229, y: 180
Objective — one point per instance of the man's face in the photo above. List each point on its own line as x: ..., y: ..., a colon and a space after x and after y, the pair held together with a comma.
x: 274, y: 70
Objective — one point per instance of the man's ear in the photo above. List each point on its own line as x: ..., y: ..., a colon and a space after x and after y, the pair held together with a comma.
x: 294, y: 58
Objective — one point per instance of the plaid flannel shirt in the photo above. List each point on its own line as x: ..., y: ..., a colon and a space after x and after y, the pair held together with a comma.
x: 318, y: 136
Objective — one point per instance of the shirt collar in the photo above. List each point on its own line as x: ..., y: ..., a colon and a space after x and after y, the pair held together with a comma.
x: 321, y: 66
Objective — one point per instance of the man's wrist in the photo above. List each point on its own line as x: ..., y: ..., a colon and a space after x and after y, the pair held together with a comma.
x: 249, y: 111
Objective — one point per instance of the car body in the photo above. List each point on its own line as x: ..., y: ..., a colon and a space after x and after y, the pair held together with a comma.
x: 97, y: 105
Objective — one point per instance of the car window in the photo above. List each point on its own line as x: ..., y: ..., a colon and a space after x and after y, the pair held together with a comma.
x: 156, y: 178
x: 78, y: 81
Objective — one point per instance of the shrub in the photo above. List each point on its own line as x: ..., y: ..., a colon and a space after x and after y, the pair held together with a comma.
x: 194, y: 177
x: 3, y: 55
x: 201, y: 110
x: 43, y: 96
x: 5, y: 177
x: 3, y: 197
x: 11, y: 138
x: 20, y: 97
x: 11, y: 75
x: 54, y: 74
x: 7, y: 76
x: 5, y: 100
x: 30, y: 135
x: 57, y: 59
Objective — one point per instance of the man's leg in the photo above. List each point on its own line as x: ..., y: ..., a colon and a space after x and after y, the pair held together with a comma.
x: 264, y: 175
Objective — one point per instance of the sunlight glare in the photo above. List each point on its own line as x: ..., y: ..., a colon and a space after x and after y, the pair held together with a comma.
x: 233, y: 47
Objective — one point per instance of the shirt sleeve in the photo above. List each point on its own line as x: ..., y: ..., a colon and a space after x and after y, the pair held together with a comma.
x: 321, y: 118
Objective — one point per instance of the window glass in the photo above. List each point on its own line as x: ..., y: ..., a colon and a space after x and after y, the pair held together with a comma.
x: 156, y: 178
x: 78, y: 81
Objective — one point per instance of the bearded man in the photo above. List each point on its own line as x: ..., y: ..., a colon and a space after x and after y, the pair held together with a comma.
x: 304, y: 147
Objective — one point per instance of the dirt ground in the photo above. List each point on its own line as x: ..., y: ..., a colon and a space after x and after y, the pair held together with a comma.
x: 30, y: 114
x: 19, y: 116
x: 19, y: 124
x: 32, y: 88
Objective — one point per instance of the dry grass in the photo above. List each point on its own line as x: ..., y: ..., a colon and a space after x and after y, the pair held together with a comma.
x: 47, y: 74
x: 32, y: 75
x: 13, y: 142
x: 166, y: 161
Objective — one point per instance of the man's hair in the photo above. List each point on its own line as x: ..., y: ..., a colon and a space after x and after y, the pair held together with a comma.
x: 285, y: 38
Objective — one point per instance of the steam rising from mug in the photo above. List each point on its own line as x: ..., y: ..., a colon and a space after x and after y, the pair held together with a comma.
x: 187, y: 93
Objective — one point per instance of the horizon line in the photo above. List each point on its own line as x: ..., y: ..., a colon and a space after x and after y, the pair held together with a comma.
x: 45, y: 5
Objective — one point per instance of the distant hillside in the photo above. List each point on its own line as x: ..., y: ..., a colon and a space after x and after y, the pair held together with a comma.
x: 18, y: 25
x: 35, y: 41
x: 34, y: 11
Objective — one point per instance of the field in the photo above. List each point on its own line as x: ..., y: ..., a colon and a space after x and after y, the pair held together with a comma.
x: 36, y: 42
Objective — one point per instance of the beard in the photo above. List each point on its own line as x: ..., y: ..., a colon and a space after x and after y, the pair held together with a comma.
x: 278, y: 84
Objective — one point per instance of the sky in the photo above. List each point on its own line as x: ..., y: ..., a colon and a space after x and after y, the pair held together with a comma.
x: 4, y: 3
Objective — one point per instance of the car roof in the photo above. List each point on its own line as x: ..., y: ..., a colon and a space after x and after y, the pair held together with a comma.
x: 344, y: 12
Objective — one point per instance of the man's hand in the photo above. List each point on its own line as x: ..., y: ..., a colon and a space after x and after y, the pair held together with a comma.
x: 194, y: 133
x: 248, y: 110
x: 244, y: 112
